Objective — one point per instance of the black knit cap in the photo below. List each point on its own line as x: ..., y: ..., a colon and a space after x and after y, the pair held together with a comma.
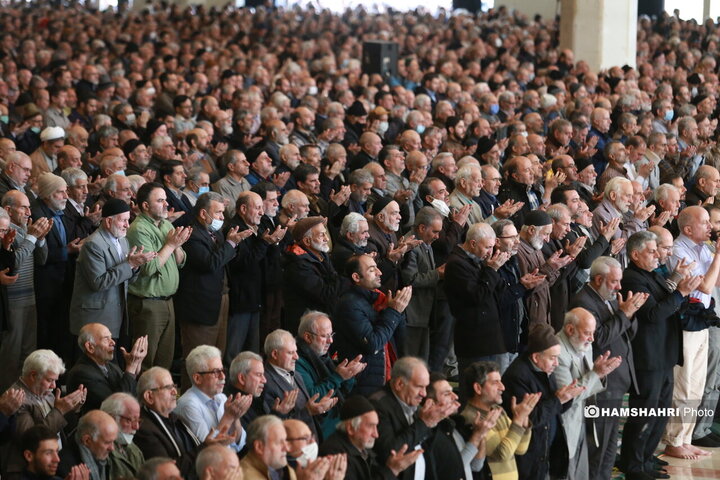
x: 355, y: 406
x: 541, y: 337
x: 380, y: 204
x: 114, y: 206
x: 485, y: 144
x: 582, y: 163
x: 357, y: 109
x: 130, y: 146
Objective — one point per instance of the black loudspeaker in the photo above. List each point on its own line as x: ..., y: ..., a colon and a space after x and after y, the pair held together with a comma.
x: 652, y: 8
x: 472, y: 6
x: 380, y: 57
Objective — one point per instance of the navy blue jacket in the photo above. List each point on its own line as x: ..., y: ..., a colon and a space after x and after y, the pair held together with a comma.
x: 360, y: 330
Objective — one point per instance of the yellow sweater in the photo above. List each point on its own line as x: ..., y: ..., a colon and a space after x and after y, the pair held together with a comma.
x: 502, y: 443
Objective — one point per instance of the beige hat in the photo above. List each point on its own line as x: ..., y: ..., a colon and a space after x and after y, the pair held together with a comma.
x: 49, y: 183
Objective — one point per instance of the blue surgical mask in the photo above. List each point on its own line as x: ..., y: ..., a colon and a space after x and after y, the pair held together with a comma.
x: 420, y: 129
x: 669, y: 114
x: 216, y: 225
x: 202, y: 190
x: 35, y: 130
x: 4, y: 118
x: 494, y: 109
x: 119, y: 172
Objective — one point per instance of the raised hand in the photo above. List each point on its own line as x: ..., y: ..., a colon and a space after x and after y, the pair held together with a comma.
x: 460, y: 216
x: 402, y: 459
x: 287, y: 403
x: 532, y: 279
x: 340, y: 197
x: 557, y: 262
x: 173, y: 215
x: 617, y: 245
x: 75, y: 246
x: 660, y: 220
x: 178, y: 236
x: 401, y: 299
x: 71, y: 401
x: 521, y: 411
x: 568, y: 392
x: 95, y: 215
x: 348, y: 369
x: 497, y: 259
x: 314, y: 470
x: 684, y: 268
x: 633, y: 303
x: 79, y: 472
x: 275, y: 236
x: 319, y: 406
x: 280, y: 179
x: 642, y: 214
x: 576, y: 247
x: 139, y: 257
x: 237, y: 405
x: 236, y: 236
x: 338, y: 467
x: 11, y: 400
x: 689, y: 284
x: 8, y: 239
x: 395, y: 254
x: 604, y: 364
x: 6, y: 279
x: 219, y: 437
x: 40, y: 227
x: 431, y: 413
x: 508, y: 209
x: 609, y: 229
x: 134, y: 358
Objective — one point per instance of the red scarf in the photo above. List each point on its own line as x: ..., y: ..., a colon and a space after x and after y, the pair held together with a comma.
x: 390, y: 354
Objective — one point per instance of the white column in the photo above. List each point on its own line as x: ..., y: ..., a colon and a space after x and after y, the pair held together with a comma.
x: 706, y: 9
x: 601, y: 32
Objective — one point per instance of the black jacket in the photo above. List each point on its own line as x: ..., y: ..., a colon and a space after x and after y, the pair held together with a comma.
x: 87, y: 373
x: 309, y: 283
x: 394, y: 430
x: 245, y: 269
x: 547, y: 451
x: 358, y: 468
x: 341, y: 253
x: 201, y: 280
x: 512, y: 190
x: 512, y: 308
x: 473, y: 292
x: 181, y: 204
x: 362, y: 330
x: 658, y: 342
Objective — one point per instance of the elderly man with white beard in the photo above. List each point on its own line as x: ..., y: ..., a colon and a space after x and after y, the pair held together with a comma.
x: 575, y: 365
x: 310, y: 282
x: 105, y: 266
x: 616, y: 203
x: 383, y: 240
x: 534, y: 233
x: 353, y: 240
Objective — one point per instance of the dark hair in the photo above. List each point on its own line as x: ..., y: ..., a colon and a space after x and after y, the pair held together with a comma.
x: 434, y: 378
x: 143, y: 193
x: 558, y: 195
x: 262, y: 189
x: 168, y: 167
x: 32, y: 437
x: 476, y: 373
x: 179, y: 99
x: 352, y: 266
x: 302, y: 171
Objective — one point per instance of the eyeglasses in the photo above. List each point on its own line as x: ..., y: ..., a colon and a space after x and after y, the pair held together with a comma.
x: 306, y: 438
x: 169, y: 387
x: 510, y: 236
x: 329, y: 336
x: 132, y: 421
x: 215, y: 372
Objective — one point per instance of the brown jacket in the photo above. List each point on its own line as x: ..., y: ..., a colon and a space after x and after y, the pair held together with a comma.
x: 254, y: 469
x: 537, y: 302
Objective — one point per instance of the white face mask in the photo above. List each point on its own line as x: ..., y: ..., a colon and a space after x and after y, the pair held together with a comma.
x: 382, y: 128
x: 309, y: 454
x: 119, y: 172
x: 312, y: 90
x: 125, y: 438
x: 216, y: 225
x: 441, y: 207
x: 130, y: 119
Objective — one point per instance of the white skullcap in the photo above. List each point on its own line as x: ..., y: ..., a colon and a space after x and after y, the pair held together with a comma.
x: 52, y: 133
